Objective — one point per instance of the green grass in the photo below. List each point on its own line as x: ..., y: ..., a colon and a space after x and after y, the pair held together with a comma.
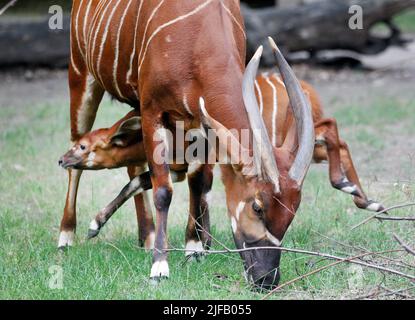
x: 111, y: 267
x: 406, y: 21
x: 381, y: 112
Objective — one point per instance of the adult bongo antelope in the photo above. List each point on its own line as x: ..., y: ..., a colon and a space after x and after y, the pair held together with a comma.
x: 121, y: 145
x: 161, y: 57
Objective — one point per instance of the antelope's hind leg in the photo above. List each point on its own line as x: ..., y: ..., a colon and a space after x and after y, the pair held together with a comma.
x: 343, y: 175
x: 86, y: 95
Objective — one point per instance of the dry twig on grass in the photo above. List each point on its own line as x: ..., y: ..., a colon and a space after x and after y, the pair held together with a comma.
x: 377, y: 215
x: 311, y: 253
x: 404, y: 245
x: 339, y: 260
x: 324, y: 268
x: 399, y: 292
x: 394, y: 262
x: 395, y: 218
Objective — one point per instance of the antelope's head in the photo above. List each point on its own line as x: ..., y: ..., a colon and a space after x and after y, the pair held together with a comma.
x: 109, y: 148
x: 262, y: 206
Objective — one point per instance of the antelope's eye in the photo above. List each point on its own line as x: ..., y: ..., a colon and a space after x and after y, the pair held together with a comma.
x: 257, y: 208
x: 83, y: 147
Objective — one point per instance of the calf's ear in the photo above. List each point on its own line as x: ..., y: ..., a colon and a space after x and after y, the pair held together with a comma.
x: 125, y: 131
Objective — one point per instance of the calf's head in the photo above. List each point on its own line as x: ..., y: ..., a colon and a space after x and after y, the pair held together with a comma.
x: 262, y: 206
x: 109, y: 148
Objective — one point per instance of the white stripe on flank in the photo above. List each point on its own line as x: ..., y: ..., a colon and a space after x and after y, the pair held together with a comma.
x: 130, y: 70
x: 261, y: 101
x: 275, y: 110
x: 147, y: 25
x: 88, y: 8
x: 95, y: 19
x: 117, y: 52
x: 191, y: 13
x: 186, y: 105
x: 77, y: 28
x: 234, y: 19
x: 96, y: 37
x: 104, y: 38
x: 74, y: 66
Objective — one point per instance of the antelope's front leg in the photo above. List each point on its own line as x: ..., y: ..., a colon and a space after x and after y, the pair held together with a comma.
x: 86, y: 96
x: 156, y: 148
x: 68, y: 222
x: 198, y: 226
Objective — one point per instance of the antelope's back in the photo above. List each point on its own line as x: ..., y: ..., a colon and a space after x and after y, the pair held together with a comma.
x: 274, y: 105
x: 121, y: 42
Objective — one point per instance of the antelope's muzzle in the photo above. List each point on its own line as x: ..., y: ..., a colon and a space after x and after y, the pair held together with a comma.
x: 262, y: 267
x: 69, y: 160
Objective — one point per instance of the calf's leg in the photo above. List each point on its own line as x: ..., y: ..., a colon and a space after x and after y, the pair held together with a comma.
x: 86, y: 95
x: 343, y: 175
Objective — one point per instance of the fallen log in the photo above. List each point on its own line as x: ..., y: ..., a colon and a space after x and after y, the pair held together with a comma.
x: 312, y: 27
x: 30, y: 42
x: 324, y: 25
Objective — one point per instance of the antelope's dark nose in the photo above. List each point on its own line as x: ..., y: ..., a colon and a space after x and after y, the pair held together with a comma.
x: 63, y: 161
x: 268, y: 282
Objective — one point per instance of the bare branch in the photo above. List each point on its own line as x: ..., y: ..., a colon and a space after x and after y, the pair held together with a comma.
x: 395, y: 262
x: 404, y: 245
x: 397, y: 292
x: 381, y: 212
x: 7, y: 6
x: 319, y: 270
x: 396, y: 218
x: 311, y: 253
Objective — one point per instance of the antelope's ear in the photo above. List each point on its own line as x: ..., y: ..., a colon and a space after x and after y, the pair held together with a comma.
x: 125, y: 130
x: 227, y: 141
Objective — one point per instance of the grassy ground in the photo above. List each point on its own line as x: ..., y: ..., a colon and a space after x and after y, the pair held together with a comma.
x: 111, y: 267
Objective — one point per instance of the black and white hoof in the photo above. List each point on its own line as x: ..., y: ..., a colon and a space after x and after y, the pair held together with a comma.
x: 159, y: 271
x: 194, y: 251
x: 375, y: 207
x: 66, y: 239
x: 347, y: 187
x: 94, y: 229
